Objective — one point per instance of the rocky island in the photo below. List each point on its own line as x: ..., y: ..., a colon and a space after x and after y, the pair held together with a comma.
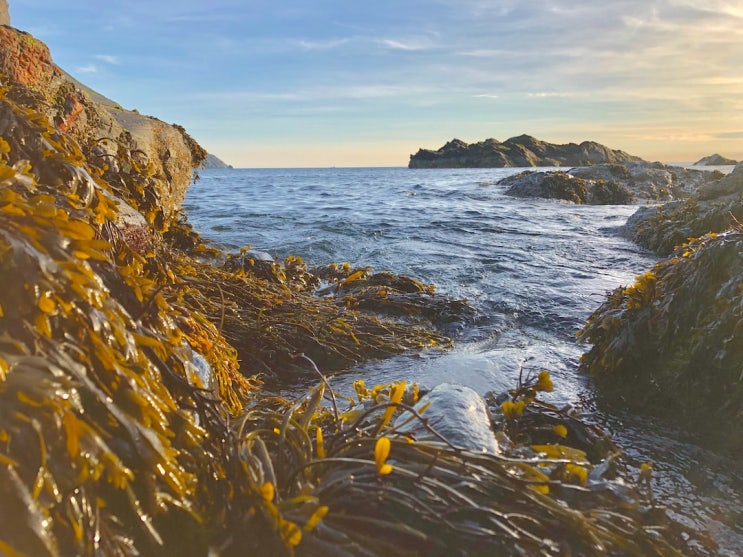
x: 521, y: 151
x: 140, y: 369
x: 715, y: 160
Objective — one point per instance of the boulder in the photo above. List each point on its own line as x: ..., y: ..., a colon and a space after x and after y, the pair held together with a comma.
x: 610, y: 184
x: 458, y: 414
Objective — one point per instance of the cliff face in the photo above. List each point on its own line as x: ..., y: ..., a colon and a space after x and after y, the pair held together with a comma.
x: 521, y: 151
x: 98, y: 125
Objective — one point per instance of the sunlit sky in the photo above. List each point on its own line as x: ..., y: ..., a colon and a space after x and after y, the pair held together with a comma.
x: 290, y: 83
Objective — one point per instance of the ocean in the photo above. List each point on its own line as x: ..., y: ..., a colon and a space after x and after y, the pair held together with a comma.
x: 533, y: 269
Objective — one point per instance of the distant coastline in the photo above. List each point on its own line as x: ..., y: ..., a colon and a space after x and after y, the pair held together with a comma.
x: 213, y: 161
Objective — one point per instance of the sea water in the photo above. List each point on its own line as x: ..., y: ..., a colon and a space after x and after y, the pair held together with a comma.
x: 533, y: 269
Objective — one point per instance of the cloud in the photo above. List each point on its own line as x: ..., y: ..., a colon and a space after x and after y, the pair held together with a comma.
x: 327, y: 44
x: 109, y: 59
x: 486, y: 96
x: 729, y: 135
x: 548, y: 94
x: 89, y: 68
x: 411, y: 44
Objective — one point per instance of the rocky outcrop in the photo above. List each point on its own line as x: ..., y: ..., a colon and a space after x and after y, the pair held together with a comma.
x: 547, y: 185
x: 521, y: 151
x: 610, y: 184
x: 101, y: 127
x: 715, y: 160
x: 670, y: 344
x: 714, y: 208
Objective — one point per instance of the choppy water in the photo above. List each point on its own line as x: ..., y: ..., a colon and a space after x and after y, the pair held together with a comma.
x: 534, y: 269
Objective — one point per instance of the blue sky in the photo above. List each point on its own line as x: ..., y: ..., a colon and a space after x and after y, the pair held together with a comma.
x: 344, y: 83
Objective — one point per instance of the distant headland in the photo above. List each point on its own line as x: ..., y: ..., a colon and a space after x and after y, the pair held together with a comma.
x: 715, y: 160
x: 520, y: 151
x: 213, y: 161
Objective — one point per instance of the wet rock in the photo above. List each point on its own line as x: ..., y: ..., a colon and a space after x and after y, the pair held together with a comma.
x: 457, y: 413
x: 547, y: 185
x: 716, y: 207
x: 670, y: 343
x: 648, y: 181
x: 610, y: 184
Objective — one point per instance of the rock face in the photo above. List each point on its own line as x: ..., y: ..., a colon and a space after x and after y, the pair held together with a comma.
x: 610, y: 184
x: 715, y: 160
x: 101, y: 127
x: 521, y: 151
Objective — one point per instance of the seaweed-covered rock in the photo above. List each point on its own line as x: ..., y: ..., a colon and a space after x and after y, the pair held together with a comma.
x: 670, y: 343
x: 101, y: 127
x: 715, y: 207
x: 647, y: 181
x: 547, y: 185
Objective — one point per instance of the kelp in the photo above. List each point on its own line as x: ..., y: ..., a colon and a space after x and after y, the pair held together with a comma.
x: 270, y: 322
x: 670, y: 343
x: 352, y: 481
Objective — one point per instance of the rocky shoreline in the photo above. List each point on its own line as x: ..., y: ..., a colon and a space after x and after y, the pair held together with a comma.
x: 139, y: 371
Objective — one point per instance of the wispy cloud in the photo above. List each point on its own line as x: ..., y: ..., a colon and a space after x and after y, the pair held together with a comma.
x: 405, y: 44
x: 88, y: 68
x: 486, y: 96
x: 108, y: 59
x: 327, y: 44
x: 549, y: 94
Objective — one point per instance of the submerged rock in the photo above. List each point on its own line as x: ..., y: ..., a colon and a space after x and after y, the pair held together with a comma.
x: 457, y: 413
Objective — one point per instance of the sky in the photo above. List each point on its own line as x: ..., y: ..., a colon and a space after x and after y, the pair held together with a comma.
x: 308, y: 83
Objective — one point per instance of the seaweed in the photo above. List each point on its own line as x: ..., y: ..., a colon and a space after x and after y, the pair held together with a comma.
x: 670, y: 343
x: 132, y: 421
